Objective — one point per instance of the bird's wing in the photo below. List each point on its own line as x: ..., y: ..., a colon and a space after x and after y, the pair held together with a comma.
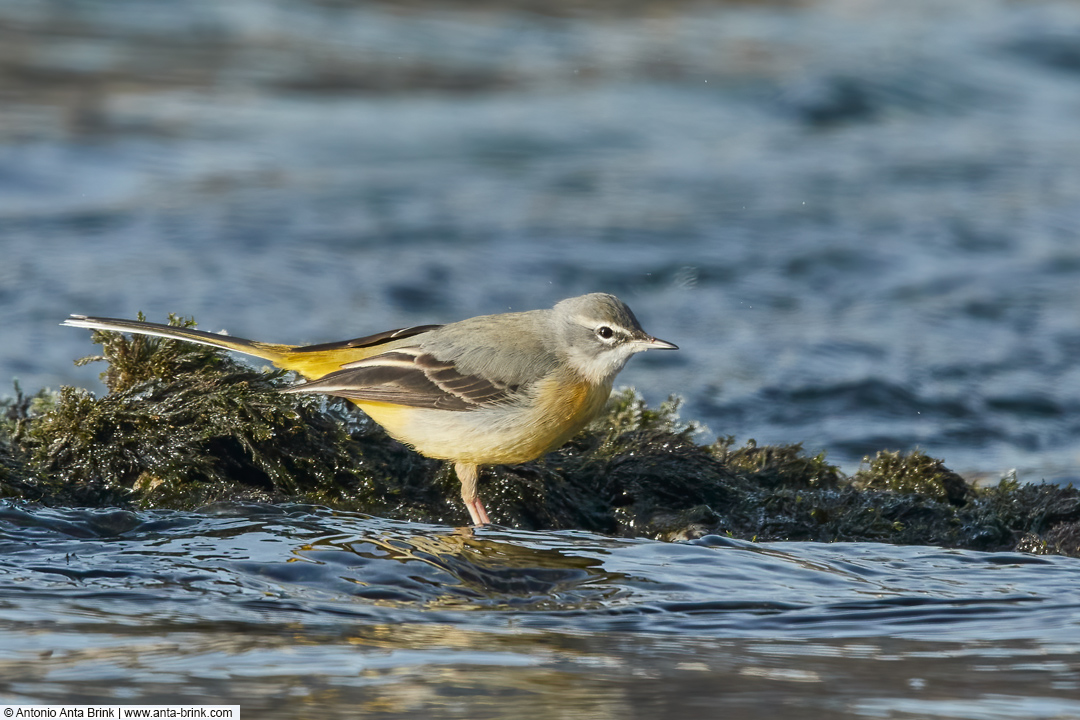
x: 410, y: 376
x: 369, y: 340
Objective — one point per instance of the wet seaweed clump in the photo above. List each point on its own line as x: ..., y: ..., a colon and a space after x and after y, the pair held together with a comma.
x: 913, y: 473
x: 638, y: 471
x: 185, y: 425
x: 17, y: 479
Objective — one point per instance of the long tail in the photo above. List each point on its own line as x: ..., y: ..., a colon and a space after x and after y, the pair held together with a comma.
x: 277, y: 354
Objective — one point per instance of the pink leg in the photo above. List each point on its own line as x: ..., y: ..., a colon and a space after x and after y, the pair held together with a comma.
x: 468, y: 473
x: 477, y: 512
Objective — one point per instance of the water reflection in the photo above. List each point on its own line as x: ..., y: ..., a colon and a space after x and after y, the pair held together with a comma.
x: 445, y: 672
x: 294, y: 609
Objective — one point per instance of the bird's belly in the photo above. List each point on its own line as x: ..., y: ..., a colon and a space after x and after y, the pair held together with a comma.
x: 501, y: 434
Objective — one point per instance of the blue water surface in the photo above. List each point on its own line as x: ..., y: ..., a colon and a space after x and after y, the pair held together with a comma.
x: 293, y: 610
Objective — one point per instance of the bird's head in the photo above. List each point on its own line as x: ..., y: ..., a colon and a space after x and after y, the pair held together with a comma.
x: 598, y: 333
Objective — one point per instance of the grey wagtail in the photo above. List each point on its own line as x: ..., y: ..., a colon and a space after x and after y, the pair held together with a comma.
x: 493, y: 389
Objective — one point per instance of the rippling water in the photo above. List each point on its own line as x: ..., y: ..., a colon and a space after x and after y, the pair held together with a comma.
x: 293, y: 610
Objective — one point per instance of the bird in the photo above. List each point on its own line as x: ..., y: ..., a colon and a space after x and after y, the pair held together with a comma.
x: 496, y: 389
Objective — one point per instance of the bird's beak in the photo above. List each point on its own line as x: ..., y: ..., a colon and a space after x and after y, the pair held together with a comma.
x: 650, y: 343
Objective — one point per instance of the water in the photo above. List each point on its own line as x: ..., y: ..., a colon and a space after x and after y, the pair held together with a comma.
x: 300, y: 612
x: 858, y: 221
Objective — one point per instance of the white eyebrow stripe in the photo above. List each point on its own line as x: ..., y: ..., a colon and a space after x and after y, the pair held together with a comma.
x: 591, y: 322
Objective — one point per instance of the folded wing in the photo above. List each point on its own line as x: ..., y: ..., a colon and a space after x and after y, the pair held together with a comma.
x: 409, y: 376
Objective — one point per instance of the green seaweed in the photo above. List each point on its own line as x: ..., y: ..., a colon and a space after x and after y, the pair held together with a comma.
x: 777, y: 465
x: 914, y: 473
x: 18, y: 479
x: 185, y: 425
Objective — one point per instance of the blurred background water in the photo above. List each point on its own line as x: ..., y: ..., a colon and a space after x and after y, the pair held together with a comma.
x: 857, y: 218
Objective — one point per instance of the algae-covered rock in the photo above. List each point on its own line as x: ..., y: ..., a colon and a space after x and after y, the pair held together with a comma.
x: 18, y: 479
x: 777, y: 465
x: 185, y: 425
x: 914, y: 473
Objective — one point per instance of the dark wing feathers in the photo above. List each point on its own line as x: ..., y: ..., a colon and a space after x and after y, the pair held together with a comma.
x: 370, y: 340
x: 472, y: 388
x: 408, y: 376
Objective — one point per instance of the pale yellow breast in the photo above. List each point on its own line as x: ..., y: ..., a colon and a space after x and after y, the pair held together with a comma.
x: 506, y: 434
x: 393, y: 418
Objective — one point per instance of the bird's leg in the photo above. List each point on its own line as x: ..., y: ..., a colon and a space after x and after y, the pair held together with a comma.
x: 478, y: 513
x: 468, y: 473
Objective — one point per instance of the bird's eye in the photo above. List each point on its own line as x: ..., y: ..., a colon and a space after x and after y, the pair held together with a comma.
x: 604, y: 332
